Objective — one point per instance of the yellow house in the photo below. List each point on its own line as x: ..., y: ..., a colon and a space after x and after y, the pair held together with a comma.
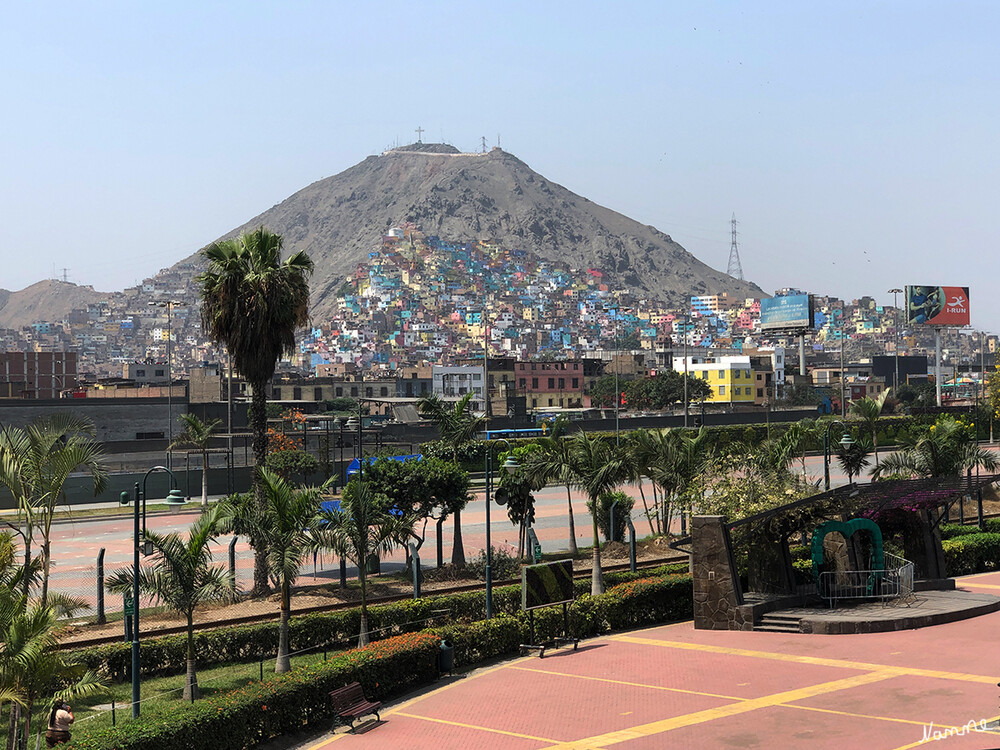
x: 732, y: 378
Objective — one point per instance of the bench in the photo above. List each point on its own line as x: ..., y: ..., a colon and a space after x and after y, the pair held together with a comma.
x: 350, y: 704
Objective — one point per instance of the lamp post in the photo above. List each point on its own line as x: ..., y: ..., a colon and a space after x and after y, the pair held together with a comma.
x: 511, y: 465
x: 845, y: 442
x: 895, y: 329
x: 169, y: 304
x: 174, y: 498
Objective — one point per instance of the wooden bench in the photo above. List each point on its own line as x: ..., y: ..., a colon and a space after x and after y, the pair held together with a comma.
x: 350, y: 704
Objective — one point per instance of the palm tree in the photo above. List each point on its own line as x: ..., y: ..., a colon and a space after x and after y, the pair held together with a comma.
x: 457, y: 427
x: 598, y: 468
x: 253, y: 302
x: 361, y: 528
x: 197, y: 434
x: 945, y: 449
x: 182, y: 577
x: 31, y: 663
x: 869, y: 410
x: 284, y: 523
x: 639, y: 448
x: 35, y: 462
x: 553, y: 463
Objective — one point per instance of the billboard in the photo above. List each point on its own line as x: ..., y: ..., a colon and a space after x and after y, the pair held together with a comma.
x: 793, y: 311
x: 938, y: 305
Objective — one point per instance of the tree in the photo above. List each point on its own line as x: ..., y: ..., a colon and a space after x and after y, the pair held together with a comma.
x: 365, y: 525
x: 31, y: 664
x: 35, y: 462
x: 598, y: 468
x: 288, y: 463
x: 946, y: 448
x: 197, y: 434
x: 854, y: 458
x: 253, y: 302
x: 284, y: 523
x: 457, y: 426
x: 553, y: 463
x: 869, y: 410
x: 183, y: 578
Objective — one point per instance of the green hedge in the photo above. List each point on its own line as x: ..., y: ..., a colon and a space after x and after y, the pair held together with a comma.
x: 284, y: 704
x: 280, y: 705
x: 950, y: 530
x: 971, y: 553
x: 166, y: 655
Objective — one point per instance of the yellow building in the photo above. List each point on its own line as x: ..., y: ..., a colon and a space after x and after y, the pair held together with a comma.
x: 732, y: 378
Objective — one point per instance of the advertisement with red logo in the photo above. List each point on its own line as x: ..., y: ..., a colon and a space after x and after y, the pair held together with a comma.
x: 938, y: 305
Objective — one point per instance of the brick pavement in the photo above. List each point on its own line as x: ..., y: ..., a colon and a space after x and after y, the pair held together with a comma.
x: 676, y: 687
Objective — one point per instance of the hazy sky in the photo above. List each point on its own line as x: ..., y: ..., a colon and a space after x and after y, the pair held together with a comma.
x: 856, y: 142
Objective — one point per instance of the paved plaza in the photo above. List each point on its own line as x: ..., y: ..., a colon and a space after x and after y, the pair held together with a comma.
x: 677, y: 687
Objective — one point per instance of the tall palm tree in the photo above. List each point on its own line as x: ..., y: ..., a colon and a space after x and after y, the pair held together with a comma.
x: 197, y: 434
x: 362, y: 527
x: 553, y: 463
x: 945, y: 449
x: 598, y: 468
x: 457, y: 426
x: 284, y: 523
x: 182, y: 577
x: 35, y: 463
x: 869, y: 410
x: 253, y: 302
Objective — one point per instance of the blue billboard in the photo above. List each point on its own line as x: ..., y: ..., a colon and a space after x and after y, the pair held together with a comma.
x: 791, y: 312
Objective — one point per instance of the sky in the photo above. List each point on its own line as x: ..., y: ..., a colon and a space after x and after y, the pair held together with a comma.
x: 856, y: 143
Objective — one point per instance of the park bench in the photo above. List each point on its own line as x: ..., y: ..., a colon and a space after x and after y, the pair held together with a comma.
x: 350, y: 704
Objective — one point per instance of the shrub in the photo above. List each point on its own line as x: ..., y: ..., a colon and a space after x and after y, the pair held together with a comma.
x: 505, y: 565
x: 622, y: 509
x: 971, y: 553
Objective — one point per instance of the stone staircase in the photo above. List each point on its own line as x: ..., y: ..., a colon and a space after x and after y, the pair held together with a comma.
x: 775, y: 622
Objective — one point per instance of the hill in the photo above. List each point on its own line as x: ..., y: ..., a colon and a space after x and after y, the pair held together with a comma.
x: 493, y: 195
x: 48, y: 300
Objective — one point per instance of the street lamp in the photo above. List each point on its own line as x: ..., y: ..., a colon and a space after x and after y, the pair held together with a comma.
x: 845, y: 442
x: 511, y: 465
x: 169, y: 304
x: 895, y: 328
x: 174, y: 498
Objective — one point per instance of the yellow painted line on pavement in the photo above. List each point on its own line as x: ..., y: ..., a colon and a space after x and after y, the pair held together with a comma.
x: 721, y: 712
x: 858, y: 716
x: 813, y: 660
x: 476, y: 727
x: 631, y: 684
x: 973, y: 584
x: 407, y: 704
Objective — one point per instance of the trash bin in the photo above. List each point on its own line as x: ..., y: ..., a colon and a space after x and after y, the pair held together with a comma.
x: 446, y: 657
x: 374, y: 565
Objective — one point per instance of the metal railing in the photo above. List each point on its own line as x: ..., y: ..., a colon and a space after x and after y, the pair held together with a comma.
x: 893, y: 581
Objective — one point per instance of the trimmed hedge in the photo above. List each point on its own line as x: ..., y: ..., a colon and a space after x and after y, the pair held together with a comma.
x: 280, y: 705
x: 285, y: 703
x: 971, y: 553
x: 166, y: 655
x: 950, y: 530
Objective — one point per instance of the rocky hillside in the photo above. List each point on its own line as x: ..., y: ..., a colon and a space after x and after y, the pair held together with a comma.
x: 338, y: 220
x: 47, y: 300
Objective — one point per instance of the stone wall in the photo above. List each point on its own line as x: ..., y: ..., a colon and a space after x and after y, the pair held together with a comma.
x: 717, y: 596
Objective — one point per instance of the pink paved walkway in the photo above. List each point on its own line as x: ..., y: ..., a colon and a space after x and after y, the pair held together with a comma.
x: 675, y: 687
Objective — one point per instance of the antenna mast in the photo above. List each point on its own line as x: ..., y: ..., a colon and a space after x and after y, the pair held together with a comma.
x: 484, y: 144
x: 735, y: 267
